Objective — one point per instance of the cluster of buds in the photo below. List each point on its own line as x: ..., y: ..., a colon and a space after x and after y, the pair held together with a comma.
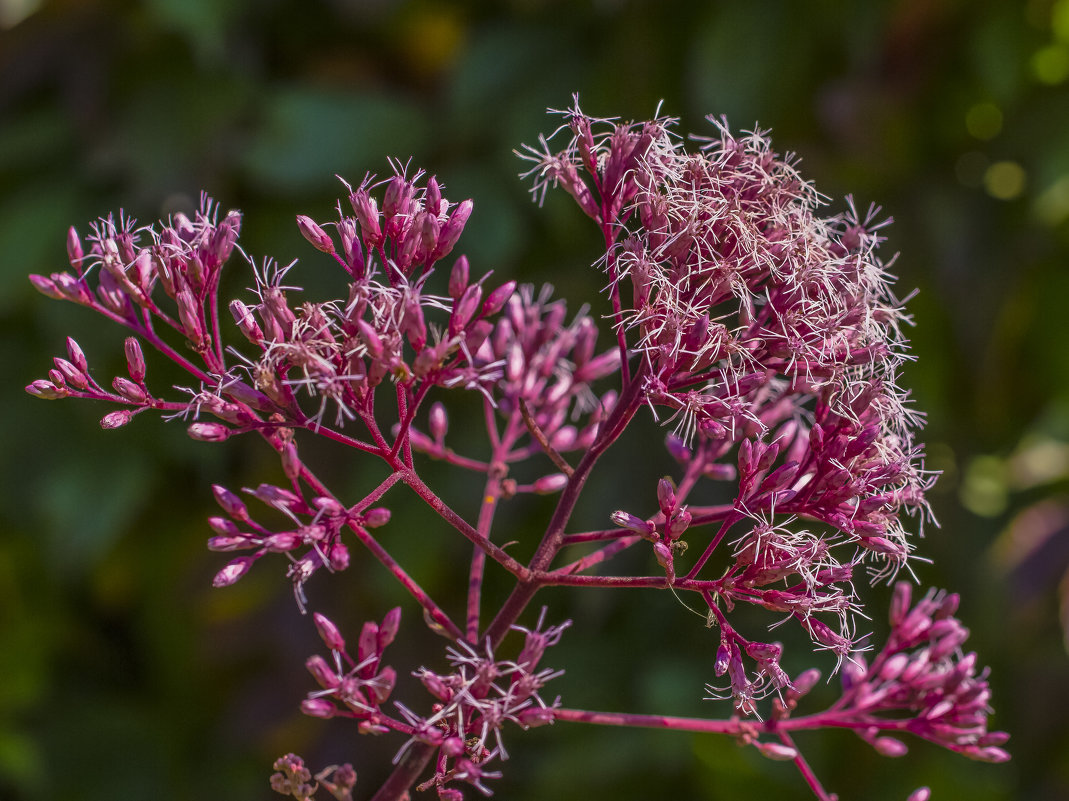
x: 309, y: 544
x: 185, y: 258
x: 476, y: 700
x: 771, y: 336
x: 768, y: 334
x: 294, y: 779
x: 353, y: 686
x: 340, y: 350
x: 545, y: 375
x: 922, y: 683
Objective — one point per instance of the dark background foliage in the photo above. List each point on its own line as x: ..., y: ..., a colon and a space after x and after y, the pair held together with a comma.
x: 123, y: 675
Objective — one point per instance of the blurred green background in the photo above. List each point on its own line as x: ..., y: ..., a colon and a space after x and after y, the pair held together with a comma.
x: 124, y: 676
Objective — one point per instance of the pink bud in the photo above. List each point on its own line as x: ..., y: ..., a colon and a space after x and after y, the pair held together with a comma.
x: 805, y: 682
x: 71, y: 373
x: 890, y: 747
x: 208, y: 432
x: 900, y: 601
x: 323, y: 674
x: 135, y: 360
x: 666, y: 496
x: 451, y: 231
x: 458, y: 278
x: 370, y: 338
x: 438, y: 422
x: 116, y: 419
x: 776, y: 751
x: 920, y: 794
x: 328, y: 632
x: 189, y: 314
x: 246, y: 322
x: 367, y: 214
x: 75, y: 253
x: 128, y: 389
x: 234, y: 570
x: 47, y: 287
x: 338, y: 556
x: 230, y: 503
x: 633, y: 523
x: 432, y: 196
x: 318, y: 708
x: 464, y: 308
x: 76, y: 356
x: 388, y: 630
x: 230, y: 543
x: 379, y: 516
x: 312, y: 231
x: 497, y: 299
x: 291, y: 463
x: 547, y: 485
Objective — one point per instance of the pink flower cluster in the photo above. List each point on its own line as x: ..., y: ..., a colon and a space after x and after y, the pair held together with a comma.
x: 765, y: 334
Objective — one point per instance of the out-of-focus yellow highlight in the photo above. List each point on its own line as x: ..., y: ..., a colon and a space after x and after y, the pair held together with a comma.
x: 1004, y: 180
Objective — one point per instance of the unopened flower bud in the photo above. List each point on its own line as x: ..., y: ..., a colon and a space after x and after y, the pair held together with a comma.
x: 776, y: 751
x: 233, y: 571
x: 74, y: 352
x: 805, y: 682
x: 71, y: 374
x: 128, y: 389
x: 135, y: 360
x: 451, y: 231
x: 547, y: 485
x: 388, y: 630
x: 323, y: 674
x: 666, y: 496
x: 328, y: 632
x: 246, y: 322
x: 458, y: 278
x: 318, y: 708
x: 291, y: 463
x: 189, y: 314
x: 316, y: 236
x: 633, y: 523
x: 438, y: 422
x: 890, y: 747
x: 338, y: 556
x: 900, y: 602
x: 370, y: 338
x: 379, y: 516
x: 224, y: 543
x: 75, y: 253
x: 47, y: 287
x: 920, y: 794
x: 465, y: 308
x: 367, y: 214
x: 116, y: 419
x: 208, y: 432
x: 497, y: 299
x: 230, y: 503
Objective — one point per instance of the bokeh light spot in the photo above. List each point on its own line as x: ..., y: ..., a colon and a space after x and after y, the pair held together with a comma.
x: 1004, y: 180
x: 1050, y: 64
x: 984, y: 121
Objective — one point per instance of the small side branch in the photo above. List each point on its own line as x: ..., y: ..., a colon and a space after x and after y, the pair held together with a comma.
x: 539, y: 435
